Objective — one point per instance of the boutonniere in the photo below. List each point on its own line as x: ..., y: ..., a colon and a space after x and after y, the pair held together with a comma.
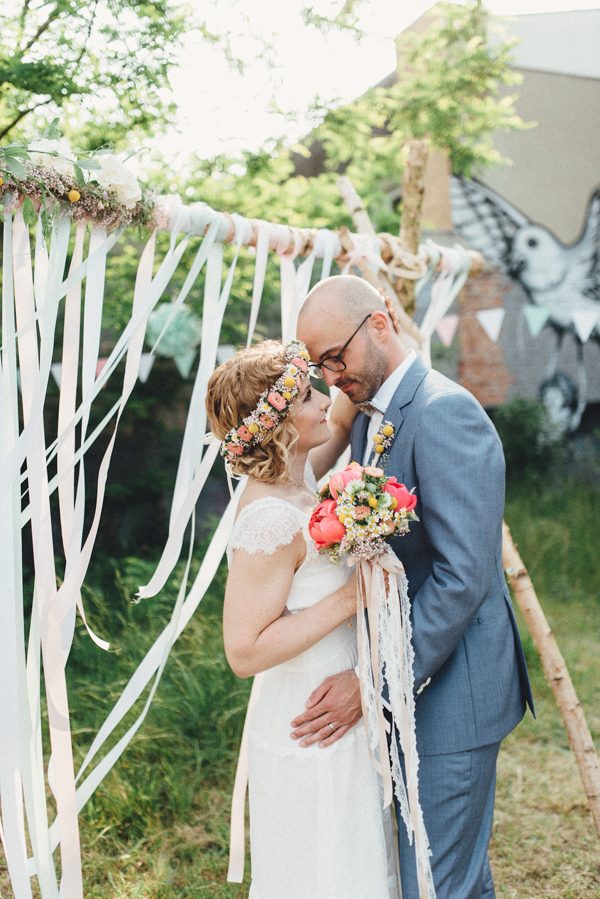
x: 383, y: 439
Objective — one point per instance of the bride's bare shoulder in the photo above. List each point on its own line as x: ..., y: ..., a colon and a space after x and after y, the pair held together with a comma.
x: 260, y: 490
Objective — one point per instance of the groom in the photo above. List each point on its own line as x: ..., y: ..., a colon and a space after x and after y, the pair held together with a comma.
x: 470, y: 674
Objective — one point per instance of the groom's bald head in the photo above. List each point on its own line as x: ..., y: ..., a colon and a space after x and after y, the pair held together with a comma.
x: 333, y: 309
x: 341, y: 297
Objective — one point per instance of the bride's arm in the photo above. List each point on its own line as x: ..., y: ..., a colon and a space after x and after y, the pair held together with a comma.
x: 256, y: 634
x: 323, y: 458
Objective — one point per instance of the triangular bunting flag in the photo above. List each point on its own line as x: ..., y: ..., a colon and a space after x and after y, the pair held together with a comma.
x: 446, y: 328
x: 536, y: 317
x: 585, y: 321
x: 184, y: 362
x: 146, y: 363
x: 491, y: 322
x: 56, y: 369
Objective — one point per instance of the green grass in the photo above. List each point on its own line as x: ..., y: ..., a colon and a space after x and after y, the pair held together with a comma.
x: 157, y: 827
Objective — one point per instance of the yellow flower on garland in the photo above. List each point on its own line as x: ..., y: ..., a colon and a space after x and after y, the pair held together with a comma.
x: 74, y: 196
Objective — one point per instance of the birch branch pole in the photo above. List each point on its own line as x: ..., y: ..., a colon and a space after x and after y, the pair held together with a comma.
x: 553, y: 663
x: 556, y: 673
x: 413, y: 190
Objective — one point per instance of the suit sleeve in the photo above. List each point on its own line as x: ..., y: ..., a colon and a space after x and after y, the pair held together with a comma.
x: 460, y: 471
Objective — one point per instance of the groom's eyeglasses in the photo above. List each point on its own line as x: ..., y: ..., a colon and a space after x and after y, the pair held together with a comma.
x: 335, y: 361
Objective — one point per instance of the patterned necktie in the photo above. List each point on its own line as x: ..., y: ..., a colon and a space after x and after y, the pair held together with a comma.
x: 368, y: 409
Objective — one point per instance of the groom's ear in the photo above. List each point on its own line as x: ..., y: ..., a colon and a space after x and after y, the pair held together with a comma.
x: 381, y: 324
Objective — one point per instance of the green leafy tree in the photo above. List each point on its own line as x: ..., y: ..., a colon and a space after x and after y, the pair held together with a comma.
x: 452, y: 87
x: 58, y: 55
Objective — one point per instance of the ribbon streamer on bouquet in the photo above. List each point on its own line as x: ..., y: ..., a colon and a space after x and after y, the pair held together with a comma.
x: 386, y: 659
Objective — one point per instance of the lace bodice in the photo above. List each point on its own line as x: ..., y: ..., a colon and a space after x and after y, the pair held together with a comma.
x: 271, y: 522
x: 266, y: 524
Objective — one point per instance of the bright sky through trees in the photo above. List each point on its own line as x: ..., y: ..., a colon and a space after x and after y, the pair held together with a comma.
x: 222, y: 111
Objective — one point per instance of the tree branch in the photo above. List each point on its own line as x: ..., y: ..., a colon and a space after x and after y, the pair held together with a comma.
x: 43, y: 27
x: 23, y: 14
x: 89, y: 31
x: 22, y: 115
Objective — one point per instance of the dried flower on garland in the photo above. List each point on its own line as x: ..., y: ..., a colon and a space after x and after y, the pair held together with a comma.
x: 43, y: 178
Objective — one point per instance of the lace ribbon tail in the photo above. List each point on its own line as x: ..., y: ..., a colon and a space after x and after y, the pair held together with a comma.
x: 386, y: 657
x: 367, y: 689
x: 397, y: 645
x: 372, y: 706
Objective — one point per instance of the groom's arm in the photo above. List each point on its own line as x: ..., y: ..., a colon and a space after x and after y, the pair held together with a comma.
x: 460, y: 471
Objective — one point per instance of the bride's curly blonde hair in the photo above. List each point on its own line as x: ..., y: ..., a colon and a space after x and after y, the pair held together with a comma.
x: 233, y: 391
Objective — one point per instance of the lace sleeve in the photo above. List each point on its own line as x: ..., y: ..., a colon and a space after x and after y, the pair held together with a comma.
x: 266, y: 524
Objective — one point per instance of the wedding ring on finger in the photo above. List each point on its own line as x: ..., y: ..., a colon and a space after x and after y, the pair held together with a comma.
x: 332, y: 727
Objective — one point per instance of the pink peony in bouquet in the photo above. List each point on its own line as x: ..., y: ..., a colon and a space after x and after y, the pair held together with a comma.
x: 360, y: 508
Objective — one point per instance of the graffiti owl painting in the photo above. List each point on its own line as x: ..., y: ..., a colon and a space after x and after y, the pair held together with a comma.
x: 563, y: 280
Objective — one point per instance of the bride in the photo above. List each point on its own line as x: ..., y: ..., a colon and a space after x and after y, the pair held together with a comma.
x: 317, y: 827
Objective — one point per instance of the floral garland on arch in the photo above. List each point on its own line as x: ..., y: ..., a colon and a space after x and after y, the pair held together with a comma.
x: 46, y: 176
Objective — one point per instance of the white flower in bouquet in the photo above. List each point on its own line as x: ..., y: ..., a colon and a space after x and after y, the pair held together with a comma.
x: 113, y: 175
x: 52, y: 154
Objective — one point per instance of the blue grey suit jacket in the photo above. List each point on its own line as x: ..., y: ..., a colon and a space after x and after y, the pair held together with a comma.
x: 464, y: 630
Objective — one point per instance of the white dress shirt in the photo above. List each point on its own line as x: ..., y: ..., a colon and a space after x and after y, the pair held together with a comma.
x: 382, y: 399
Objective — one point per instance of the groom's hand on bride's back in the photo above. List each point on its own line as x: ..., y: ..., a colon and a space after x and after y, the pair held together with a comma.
x: 335, y: 702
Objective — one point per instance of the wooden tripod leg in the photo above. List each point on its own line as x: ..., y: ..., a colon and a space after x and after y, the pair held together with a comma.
x: 556, y: 673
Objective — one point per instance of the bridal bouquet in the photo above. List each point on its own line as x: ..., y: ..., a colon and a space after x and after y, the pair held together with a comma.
x: 359, y: 509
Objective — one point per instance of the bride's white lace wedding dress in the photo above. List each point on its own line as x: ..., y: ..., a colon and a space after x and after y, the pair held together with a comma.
x: 317, y: 827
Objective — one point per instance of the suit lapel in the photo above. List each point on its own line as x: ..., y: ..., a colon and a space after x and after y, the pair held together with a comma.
x: 402, y: 398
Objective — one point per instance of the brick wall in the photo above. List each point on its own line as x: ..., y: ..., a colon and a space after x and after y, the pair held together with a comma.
x: 481, y: 366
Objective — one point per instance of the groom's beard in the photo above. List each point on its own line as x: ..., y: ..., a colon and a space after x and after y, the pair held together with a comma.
x: 363, y: 385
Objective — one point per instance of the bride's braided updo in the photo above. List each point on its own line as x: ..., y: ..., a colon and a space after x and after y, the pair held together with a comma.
x: 233, y: 391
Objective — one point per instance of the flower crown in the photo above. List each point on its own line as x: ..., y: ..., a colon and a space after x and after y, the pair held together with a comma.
x: 273, y: 404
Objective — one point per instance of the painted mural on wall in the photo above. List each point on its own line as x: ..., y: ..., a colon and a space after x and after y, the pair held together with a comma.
x: 560, y: 285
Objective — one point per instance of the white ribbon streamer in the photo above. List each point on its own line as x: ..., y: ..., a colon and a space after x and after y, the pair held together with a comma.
x: 454, y: 265
x: 30, y: 305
